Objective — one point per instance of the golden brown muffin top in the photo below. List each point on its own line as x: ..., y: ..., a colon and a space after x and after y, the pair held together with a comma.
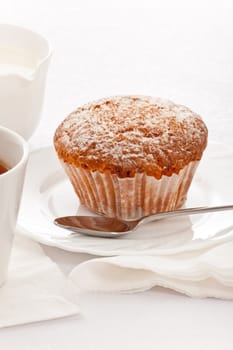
x: 125, y: 135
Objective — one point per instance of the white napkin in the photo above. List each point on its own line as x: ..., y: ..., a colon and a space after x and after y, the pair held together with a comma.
x: 206, y: 273
x: 35, y: 290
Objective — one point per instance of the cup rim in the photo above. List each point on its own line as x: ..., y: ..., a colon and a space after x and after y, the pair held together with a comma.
x: 25, y: 148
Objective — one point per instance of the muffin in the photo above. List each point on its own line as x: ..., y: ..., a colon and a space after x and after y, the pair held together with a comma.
x: 131, y: 156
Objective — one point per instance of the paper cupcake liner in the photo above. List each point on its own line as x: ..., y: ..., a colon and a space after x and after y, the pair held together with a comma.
x: 130, y: 198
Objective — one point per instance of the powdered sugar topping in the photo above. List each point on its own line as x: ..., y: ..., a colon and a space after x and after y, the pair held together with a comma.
x: 122, y: 133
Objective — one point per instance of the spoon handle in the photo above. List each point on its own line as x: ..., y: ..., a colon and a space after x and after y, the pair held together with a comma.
x: 186, y: 211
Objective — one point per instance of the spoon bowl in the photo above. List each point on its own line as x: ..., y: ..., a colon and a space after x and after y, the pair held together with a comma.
x: 102, y: 226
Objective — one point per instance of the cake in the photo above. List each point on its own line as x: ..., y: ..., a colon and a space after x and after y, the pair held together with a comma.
x: 131, y: 156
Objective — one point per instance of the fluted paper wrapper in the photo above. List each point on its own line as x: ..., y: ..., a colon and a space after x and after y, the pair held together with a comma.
x: 130, y: 198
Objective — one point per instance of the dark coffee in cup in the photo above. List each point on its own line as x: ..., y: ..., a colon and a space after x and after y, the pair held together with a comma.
x: 3, y: 168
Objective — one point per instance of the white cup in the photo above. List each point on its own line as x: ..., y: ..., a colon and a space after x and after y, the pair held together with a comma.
x: 13, y: 153
x: 24, y: 61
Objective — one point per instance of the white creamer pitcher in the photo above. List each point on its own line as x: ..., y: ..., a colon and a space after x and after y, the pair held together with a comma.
x: 24, y: 60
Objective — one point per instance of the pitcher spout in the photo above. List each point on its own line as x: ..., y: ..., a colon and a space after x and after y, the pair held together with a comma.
x: 24, y: 61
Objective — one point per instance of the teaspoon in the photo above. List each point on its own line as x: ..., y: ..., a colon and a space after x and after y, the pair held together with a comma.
x: 102, y: 226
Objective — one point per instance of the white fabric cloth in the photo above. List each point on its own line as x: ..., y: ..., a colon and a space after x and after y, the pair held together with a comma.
x: 35, y: 290
x: 201, y: 274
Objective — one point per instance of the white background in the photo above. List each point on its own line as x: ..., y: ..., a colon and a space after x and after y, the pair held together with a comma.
x: 182, y: 50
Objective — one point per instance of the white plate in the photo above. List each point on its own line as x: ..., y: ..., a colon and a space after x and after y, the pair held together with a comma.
x: 48, y: 194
